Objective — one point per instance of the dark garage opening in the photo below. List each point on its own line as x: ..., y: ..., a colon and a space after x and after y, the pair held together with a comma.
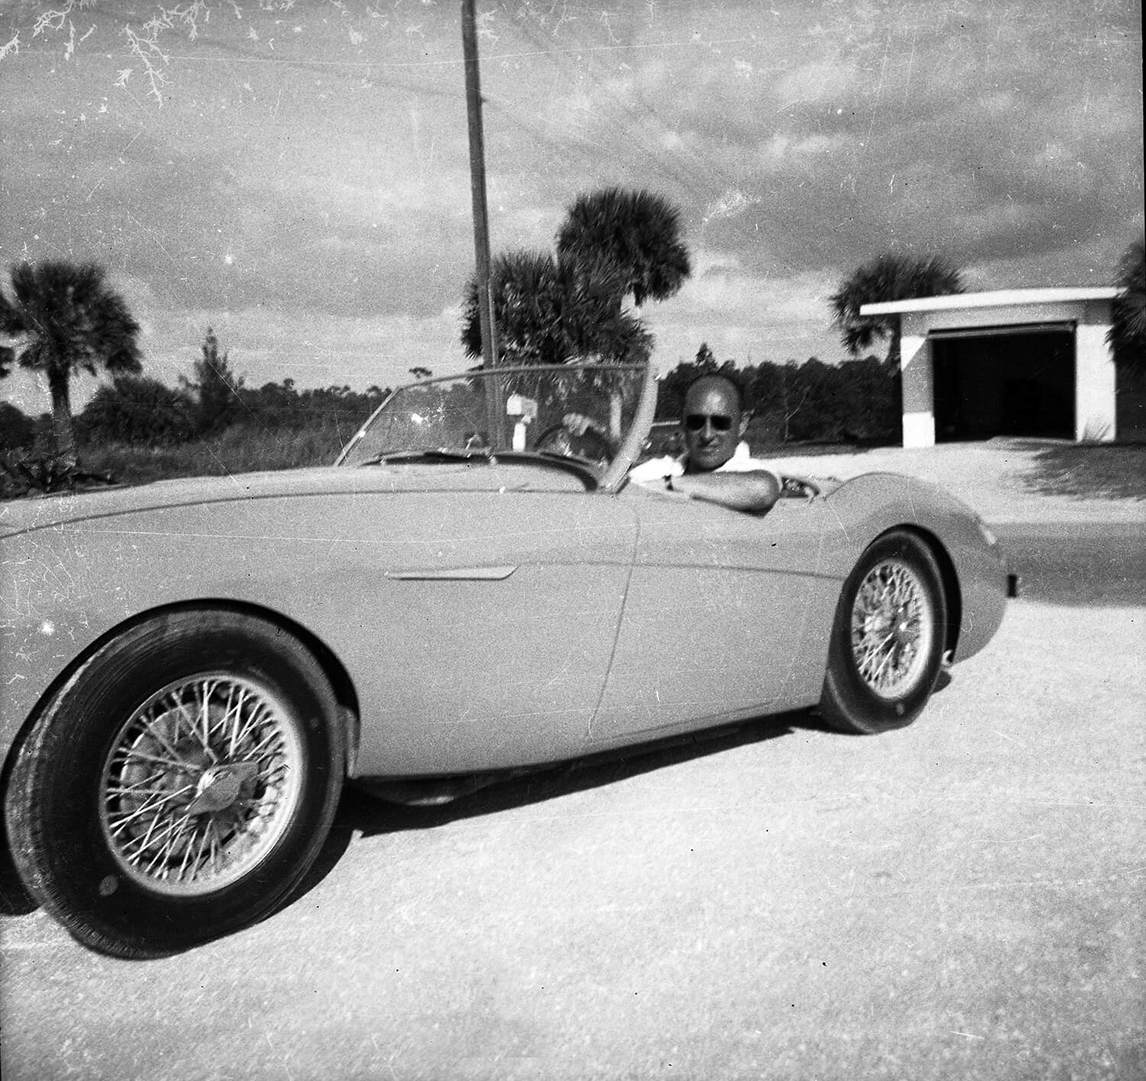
x: 1004, y: 382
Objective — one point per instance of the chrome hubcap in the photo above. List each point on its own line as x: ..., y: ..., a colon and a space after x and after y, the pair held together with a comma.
x: 201, y: 781
x: 892, y: 629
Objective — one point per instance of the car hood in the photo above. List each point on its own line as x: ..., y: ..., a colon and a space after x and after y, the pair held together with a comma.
x: 21, y: 515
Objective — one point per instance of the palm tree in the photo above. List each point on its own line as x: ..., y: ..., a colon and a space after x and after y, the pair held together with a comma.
x: 1127, y: 334
x: 550, y: 311
x: 636, y: 232
x: 887, y: 277
x: 67, y: 319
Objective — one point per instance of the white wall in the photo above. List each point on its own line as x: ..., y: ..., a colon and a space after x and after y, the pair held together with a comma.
x: 1094, y: 368
x: 915, y: 366
x: 1095, y: 397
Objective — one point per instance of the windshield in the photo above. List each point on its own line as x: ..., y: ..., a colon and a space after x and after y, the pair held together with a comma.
x: 583, y: 414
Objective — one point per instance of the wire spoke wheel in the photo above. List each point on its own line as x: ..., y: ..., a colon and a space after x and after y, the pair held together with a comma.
x: 180, y: 785
x: 887, y: 641
x: 891, y: 634
x: 200, y: 782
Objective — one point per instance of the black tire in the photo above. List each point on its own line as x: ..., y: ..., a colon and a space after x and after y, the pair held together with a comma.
x: 179, y: 785
x: 15, y: 899
x: 888, y: 638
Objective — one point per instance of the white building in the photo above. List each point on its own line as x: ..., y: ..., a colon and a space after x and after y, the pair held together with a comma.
x: 1025, y: 362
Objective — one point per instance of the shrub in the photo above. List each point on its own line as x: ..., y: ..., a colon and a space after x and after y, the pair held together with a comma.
x: 45, y: 473
x: 16, y: 429
x: 136, y: 409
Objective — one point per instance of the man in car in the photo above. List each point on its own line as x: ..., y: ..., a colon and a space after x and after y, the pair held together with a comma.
x: 716, y: 466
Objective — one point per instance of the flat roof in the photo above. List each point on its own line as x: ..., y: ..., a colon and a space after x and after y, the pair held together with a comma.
x: 998, y: 298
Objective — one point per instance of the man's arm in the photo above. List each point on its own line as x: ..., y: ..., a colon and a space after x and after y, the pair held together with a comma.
x: 752, y: 491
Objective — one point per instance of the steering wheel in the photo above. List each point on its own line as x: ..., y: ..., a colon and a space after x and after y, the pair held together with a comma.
x: 562, y: 440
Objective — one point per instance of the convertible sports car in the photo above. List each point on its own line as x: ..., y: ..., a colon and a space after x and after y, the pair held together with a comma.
x: 193, y: 668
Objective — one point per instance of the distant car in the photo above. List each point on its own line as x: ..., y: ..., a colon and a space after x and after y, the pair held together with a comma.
x: 192, y: 668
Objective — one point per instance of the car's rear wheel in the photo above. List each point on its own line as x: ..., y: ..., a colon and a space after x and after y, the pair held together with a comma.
x: 887, y: 642
x: 179, y: 785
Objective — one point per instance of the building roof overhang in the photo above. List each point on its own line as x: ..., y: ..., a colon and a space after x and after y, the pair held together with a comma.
x: 998, y: 298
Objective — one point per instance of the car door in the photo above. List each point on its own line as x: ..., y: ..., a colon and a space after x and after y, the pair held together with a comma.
x: 472, y: 609
x: 713, y: 614
x: 486, y: 627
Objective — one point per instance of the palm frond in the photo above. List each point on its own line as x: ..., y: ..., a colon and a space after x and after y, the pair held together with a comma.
x: 70, y: 320
x: 1127, y: 334
x: 550, y: 311
x: 638, y: 232
x: 887, y: 277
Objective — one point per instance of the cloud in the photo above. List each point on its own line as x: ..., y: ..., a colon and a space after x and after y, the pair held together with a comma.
x: 949, y: 128
x: 744, y: 314
x: 310, y: 191
x: 206, y: 234
x: 730, y: 204
x: 268, y: 344
x: 782, y: 153
x: 823, y: 81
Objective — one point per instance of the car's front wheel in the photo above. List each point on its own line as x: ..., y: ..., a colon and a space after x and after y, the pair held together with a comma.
x: 887, y: 642
x: 179, y: 785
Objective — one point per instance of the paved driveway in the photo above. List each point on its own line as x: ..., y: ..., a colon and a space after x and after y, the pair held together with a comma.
x: 992, y: 477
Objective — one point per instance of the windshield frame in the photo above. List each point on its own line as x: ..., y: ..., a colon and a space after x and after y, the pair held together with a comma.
x: 608, y: 480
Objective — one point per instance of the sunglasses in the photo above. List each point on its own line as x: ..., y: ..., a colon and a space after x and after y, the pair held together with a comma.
x: 695, y: 421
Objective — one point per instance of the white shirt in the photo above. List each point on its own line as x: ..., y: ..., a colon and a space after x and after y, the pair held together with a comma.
x: 653, y: 472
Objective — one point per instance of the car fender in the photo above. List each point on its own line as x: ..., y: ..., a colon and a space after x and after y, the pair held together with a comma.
x: 322, y: 565
x: 973, y: 563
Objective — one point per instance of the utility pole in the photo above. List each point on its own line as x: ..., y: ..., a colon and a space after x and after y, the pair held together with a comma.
x: 477, y: 184
x: 494, y: 406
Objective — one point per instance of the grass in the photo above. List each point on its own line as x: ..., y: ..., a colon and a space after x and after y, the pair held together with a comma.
x: 237, y: 450
x: 1090, y: 470
x: 1081, y: 470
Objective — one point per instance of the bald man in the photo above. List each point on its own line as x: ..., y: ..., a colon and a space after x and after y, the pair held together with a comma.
x: 714, y: 468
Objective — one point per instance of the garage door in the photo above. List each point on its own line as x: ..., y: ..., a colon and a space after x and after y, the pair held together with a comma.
x: 1004, y: 381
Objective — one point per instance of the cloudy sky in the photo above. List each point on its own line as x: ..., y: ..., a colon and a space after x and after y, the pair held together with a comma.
x: 294, y: 173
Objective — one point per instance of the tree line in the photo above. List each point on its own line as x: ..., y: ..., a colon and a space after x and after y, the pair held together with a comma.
x: 813, y: 401
x: 857, y: 401
x: 615, y: 251
x: 135, y: 409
